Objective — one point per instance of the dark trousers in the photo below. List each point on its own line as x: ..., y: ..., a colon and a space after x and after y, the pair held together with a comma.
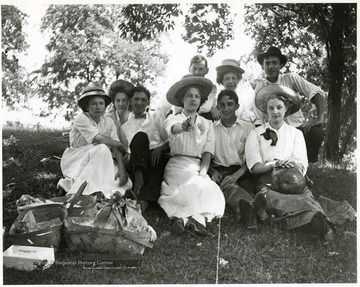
x: 247, y: 181
x: 153, y: 175
x: 244, y: 188
x: 313, y: 139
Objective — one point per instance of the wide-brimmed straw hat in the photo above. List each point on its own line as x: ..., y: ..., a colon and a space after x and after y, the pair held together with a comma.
x: 119, y: 85
x: 264, y: 93
x: 92, y: 89
x: 272, y: 51
x: 227, y: 65
x: 176, y: 92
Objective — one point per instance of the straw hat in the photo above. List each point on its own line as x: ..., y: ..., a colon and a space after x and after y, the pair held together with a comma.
x: 92, y: 89
x: 228, y: 65
x: 263, y: 94
x: 272, y: 51
x: 176, y: 91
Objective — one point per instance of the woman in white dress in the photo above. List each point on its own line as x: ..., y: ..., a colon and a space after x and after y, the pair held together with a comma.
x: 188, y: 195
x: 95, y: 154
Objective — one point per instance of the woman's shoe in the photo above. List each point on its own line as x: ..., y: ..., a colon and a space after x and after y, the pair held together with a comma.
x: 195, y: 228
x: 178, y: 226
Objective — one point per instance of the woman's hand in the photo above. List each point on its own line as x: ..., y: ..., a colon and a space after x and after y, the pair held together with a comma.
x: 217, y: 177
x: 155, y: 156
x: 285, y: 163
x: 123, y: 177
x: 187, y: 125
x: 229, y: 179
x: 127, y: 158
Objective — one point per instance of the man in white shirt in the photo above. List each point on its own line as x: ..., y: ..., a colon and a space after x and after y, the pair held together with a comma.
x: 228, y: 166
x: 148, y: 147
x: 272, y: 61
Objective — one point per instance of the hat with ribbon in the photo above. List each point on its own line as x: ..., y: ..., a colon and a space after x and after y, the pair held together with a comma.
x: 228, y: 65
x: 272, y: 51
x: 262, y: 97
x: 92, y: 89
x: 177, y: 91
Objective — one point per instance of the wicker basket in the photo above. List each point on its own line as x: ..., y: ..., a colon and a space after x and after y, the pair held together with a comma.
x: 85, y: 238
x: 86, y: 206
x: 47, y: 237
x: 80, y: 205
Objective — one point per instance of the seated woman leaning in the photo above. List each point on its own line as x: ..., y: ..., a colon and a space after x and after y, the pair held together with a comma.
x: 276, y: 150
x: 188, y: 195
x: 95, y: 154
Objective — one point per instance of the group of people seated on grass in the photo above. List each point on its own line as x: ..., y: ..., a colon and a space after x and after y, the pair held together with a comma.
x: 201, y: 149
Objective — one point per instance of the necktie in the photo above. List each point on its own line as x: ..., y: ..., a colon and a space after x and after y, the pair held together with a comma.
x: 270, y: 134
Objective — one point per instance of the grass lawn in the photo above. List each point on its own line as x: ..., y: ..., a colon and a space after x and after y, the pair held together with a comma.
x: 268, y: 255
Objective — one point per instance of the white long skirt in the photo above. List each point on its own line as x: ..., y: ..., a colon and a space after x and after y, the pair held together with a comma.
x: 184, y: 193
x: 93, y: 164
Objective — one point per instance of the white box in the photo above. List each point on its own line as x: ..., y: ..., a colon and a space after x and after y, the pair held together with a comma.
x: 28, y: 257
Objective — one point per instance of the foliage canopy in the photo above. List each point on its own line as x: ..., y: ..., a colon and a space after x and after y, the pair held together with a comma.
x: 320, y: 42
x: 13, y: 42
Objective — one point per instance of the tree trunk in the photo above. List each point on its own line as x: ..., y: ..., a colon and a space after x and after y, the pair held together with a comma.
x: 336, y: 68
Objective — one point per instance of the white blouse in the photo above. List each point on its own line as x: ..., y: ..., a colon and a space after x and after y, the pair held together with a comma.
x: 290, y: 144
x: 84, y: 130
x: 195, y: 142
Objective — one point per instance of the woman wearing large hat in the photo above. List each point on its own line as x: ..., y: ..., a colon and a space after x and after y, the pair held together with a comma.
x: 94, y: 145
x: 229, y: 75
x: 278, y: 147
x: 188, y: 195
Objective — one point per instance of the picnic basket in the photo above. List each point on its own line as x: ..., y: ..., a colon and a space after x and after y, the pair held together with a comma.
x: 49, y: 218
x: 79, y: 205
x: 85, y: 238
x: 118, y: 227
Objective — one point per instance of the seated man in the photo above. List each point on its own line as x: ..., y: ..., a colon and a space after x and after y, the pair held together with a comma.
x: 148, y: 144
x: 228, y: 167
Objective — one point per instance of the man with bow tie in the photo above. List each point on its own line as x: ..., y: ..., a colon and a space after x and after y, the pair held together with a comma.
x: 147, y: 157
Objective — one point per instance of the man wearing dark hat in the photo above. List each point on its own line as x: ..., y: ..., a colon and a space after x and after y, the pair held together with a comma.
x: 148, y: 144
x: 272, y: 61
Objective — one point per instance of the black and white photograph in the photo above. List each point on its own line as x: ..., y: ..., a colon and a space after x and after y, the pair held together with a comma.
x: 179, y: 142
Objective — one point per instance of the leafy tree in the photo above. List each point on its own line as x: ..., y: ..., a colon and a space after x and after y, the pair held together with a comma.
x: 14, y: 84
x: 207, y: 25
x: 85, y: 46
x: 320, y: 41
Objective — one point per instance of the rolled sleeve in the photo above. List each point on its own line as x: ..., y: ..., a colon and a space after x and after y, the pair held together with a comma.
x: 210, y: 140
x: 304, y: 87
